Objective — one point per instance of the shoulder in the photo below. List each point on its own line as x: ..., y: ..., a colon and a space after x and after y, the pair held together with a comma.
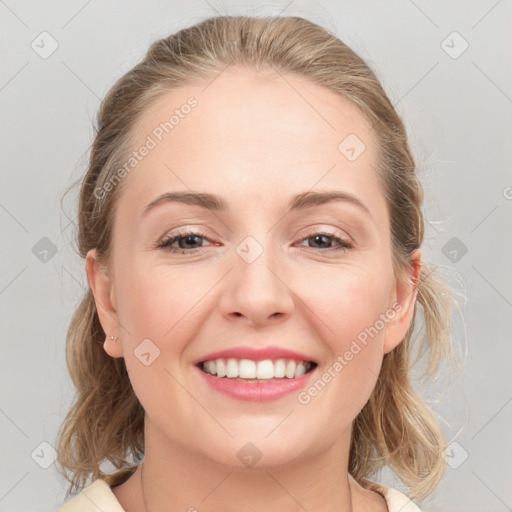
x: 98, y: 495
x: 395, y: 500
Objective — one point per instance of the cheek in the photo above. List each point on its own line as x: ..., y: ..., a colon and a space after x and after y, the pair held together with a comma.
x: 161, y: 309
x: 156, y: 307
x: 351, y: 312
x: 160, y: 302
x: 346, y: 302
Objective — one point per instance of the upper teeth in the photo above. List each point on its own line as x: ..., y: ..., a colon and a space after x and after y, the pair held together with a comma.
x: 249, y: 369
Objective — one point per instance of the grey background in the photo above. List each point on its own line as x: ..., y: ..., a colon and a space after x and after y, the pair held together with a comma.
x: 457, y: 107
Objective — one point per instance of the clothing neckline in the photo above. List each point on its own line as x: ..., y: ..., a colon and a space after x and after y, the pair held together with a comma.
x: 395, y: 500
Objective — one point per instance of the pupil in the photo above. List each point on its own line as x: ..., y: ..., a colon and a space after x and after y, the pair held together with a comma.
x: 318, y: 239
x: 187, y: 239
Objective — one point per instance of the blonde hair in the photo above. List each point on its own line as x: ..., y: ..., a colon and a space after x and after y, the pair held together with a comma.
x: 395, y: 427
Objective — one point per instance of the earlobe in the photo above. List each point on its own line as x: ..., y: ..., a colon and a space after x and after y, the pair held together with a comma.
x: 104, y: 298
x: 405, y: 293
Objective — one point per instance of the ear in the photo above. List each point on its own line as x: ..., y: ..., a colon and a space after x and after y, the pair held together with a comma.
x: 404, y: 299
x: 103, y: 292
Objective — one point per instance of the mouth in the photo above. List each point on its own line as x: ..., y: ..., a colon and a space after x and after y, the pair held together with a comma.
x: 252, y: 371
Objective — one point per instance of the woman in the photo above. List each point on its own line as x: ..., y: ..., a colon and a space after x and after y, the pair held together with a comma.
x: 251, y: 226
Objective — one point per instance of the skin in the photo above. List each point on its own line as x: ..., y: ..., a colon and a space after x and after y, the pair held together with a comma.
x: 256, y: 140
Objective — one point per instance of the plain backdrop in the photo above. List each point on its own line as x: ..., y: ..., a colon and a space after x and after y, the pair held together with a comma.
x: 446, y: 67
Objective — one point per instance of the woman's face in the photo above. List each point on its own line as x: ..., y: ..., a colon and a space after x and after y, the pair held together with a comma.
x: 265, y: 271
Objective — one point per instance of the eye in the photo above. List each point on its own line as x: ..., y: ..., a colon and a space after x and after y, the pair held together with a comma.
x: 186, y: 242
x: 326, y: 240
x: 190, y: 242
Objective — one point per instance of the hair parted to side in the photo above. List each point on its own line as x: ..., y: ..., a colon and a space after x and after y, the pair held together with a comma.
x: 395, y: 427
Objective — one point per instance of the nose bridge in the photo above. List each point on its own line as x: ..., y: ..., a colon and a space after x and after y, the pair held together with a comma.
x: 255, y: 265
x: 258, y: 291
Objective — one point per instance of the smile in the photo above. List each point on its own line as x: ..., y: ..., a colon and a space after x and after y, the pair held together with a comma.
x: 255, y: 371
x: 255, y: 380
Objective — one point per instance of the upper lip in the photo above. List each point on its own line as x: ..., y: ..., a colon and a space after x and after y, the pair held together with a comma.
x: 256, y: 354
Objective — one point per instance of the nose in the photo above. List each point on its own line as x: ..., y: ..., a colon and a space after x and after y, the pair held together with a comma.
x: 257, y: 293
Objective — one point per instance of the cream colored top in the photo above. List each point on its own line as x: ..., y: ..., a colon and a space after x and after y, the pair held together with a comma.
x: 99, y: 496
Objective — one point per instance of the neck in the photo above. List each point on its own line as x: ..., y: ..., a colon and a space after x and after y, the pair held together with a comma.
x: 177, y: 479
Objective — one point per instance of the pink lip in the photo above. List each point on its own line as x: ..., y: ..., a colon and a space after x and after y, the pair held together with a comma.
x: 256, y: 354
x: 255, y: 391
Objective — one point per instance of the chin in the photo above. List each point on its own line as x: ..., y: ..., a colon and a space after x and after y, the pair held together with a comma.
x: 251, y: 452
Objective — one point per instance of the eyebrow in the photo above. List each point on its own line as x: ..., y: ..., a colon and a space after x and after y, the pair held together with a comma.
x: 218, y: 204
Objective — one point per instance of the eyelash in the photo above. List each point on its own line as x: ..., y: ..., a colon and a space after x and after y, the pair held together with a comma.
x: 165, y: 244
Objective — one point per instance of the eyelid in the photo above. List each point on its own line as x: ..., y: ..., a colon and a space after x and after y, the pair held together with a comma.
x: 343, y: 243
x: 329, y: 230
x: 166, y: 239
x: 166, y: 242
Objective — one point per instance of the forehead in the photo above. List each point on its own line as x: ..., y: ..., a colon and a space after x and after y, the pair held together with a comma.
x: 252, y: 133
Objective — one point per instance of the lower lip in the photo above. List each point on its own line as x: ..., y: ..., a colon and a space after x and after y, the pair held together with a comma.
x: 255, y: 391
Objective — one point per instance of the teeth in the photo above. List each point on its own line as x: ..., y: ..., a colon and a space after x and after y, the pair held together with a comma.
x: 263, y: 370
x: 221, y: 368
x: 211, y: 367
x: 279, y: 368
x: 290, y: 369
x: 246, y: 369
x: 231, y: 369
x: 301, y: 369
